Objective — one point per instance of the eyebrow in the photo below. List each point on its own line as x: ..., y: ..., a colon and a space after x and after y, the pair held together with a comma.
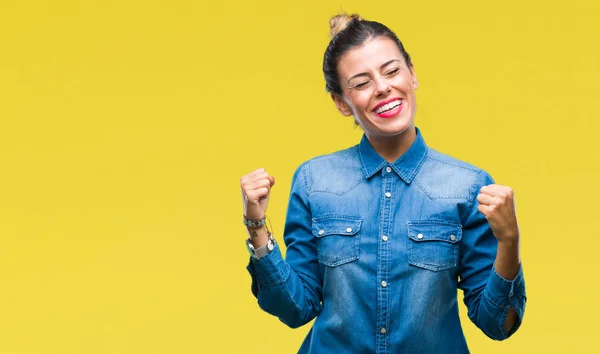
x: 381, y: 67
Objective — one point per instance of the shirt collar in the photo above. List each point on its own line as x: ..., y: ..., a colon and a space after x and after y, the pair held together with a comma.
x: 406, y: 166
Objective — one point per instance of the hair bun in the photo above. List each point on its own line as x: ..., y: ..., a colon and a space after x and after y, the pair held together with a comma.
x: 339, y: 22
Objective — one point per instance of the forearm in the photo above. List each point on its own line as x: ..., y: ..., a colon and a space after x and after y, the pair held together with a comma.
x: 507, y: 266
x: 258, y: 236
x: 291, y: 296
x: 491, y: 272
x: 507, y: 259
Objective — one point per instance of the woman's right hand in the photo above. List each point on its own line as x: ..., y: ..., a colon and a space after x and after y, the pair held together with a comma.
x: 256, y: 187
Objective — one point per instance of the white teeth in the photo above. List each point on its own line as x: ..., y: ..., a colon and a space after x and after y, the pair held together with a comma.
x: 387, y: 107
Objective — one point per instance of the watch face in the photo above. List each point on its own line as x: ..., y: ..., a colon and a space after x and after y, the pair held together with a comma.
x: 250, y: 247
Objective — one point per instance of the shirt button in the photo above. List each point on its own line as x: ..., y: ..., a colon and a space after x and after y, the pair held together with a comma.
x: 388, y: 169
x: 321, y: 232
x: 420, y: 236
x: 349, y: 229
x: 384, y: 238
x: 384, y: 283
x: 452, y: 237
x: 383, y: 331
x: 388, y: 194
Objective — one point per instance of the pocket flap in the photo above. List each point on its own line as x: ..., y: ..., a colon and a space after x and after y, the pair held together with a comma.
x: 432, y: 230
x: 336, y: 225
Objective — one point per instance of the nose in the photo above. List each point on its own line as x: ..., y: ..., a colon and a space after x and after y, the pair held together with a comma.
x: 382, y: 87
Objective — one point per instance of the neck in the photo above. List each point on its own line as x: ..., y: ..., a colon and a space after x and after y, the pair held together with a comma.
x: 392, y: 147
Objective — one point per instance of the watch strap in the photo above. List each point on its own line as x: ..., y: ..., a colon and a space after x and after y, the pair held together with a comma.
x: 262, y: 251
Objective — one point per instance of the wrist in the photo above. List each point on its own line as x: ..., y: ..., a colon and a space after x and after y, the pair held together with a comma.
x: 254, y: 223
x: 260, y: 249
x: 509, y: 241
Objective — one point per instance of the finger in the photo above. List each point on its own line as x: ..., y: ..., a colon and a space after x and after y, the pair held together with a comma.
x: 486, y: 210
x: 263, y: 183
x: 272, y: 180
x: 496, y: 190
x: 261, y: 192
x: 260, y: 176
x: 251, y: 189
x: 254, y: 194
x: 485, y: 199
x: 253, y: 177
x: 250, y: 176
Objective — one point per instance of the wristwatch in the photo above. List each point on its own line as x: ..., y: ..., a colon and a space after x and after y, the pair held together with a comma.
x: 262, y: 251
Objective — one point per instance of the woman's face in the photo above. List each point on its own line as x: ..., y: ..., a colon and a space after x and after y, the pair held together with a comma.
x: 378, y: 88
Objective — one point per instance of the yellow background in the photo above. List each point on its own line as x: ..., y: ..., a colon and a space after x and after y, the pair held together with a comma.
x: 125, y: 127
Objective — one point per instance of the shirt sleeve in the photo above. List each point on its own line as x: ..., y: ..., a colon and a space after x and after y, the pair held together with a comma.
x: 488, y: 296
x: 291, y: 289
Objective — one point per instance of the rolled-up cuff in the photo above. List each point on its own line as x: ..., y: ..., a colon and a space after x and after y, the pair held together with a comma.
x: 506, y: 294
x: 269, y: 270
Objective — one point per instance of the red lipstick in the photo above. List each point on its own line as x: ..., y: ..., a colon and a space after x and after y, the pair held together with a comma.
x: 392, y: 112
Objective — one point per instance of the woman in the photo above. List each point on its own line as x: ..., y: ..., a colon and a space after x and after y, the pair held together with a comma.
x: 379, y: 236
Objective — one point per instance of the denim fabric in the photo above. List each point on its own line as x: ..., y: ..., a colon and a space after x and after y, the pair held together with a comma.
x: 376, y: 252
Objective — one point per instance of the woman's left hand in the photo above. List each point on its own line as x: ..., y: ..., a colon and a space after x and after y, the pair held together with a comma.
x: 497, y: 204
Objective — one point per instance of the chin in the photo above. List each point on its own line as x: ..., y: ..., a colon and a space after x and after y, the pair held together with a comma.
x: 398, y: 127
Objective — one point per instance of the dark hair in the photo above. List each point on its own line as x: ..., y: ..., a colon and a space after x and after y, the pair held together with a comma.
x: 347, y: 32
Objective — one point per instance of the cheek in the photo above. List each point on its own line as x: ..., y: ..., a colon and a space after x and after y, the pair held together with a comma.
x: 364, y: 100
x: 404, y: 83
x: 358, y: 102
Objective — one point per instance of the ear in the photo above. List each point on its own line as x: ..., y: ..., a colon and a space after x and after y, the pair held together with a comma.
x: 341, y: 105
x: 414, y: 77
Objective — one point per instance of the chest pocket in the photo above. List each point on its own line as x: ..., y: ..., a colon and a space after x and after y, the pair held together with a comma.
x: 434, y: 244
x: 338, y: 239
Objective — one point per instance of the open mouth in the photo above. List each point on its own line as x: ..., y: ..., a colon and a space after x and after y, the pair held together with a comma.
x: 388, y: 106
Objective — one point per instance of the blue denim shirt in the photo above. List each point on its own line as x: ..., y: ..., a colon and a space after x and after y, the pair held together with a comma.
x: 376, y: 251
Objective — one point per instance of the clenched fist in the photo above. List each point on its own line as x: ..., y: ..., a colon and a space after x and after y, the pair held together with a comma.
x: 497, y: 204
x: 256, y: 187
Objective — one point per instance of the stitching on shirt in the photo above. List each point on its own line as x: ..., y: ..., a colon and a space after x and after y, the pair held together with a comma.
x: 474, y: 186
x: 289, y: 293
x: 304, y: 174
x: 280, y: 277
x: 364, y: 167
x: 430, y: 196
x: 324, y: 190
x: 493, y: 302
x: 414, y: 172
x: 466, y: 167
x: 422, y: 188
x: 502, y: 320
x: 356, y: 184
x: 334, y: 216
x: 469, y: 197
x: 366, y: 173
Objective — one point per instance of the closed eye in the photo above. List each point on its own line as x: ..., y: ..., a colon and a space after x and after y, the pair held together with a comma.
x: 361, y: 85
x: 393, y: 72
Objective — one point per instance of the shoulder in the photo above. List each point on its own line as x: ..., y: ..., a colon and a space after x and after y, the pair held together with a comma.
x: 336, y: 172
x: 443, y: 176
